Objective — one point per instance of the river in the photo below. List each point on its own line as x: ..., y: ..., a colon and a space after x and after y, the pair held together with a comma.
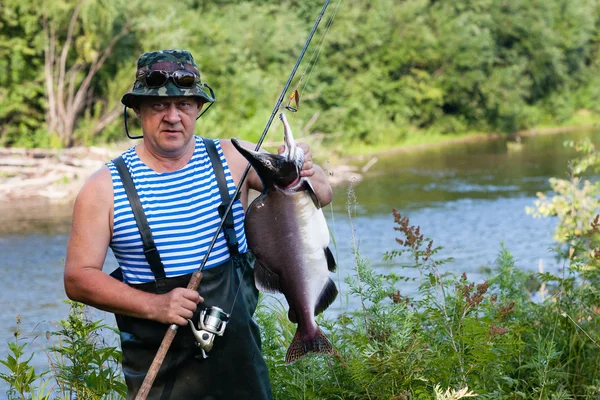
x: 467, y: 197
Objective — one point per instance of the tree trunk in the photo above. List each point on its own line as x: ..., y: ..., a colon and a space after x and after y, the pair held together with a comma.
x: 68, y: 98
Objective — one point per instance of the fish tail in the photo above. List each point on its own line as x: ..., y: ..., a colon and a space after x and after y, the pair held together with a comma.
x: 301, y: 346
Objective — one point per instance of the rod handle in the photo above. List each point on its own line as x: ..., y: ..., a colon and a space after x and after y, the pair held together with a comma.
x: 194, y: 282
x: 142, y: 394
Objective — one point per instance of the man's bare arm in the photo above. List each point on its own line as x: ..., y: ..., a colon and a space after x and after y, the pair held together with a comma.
x: 86, y: 251
x: 317, y: 176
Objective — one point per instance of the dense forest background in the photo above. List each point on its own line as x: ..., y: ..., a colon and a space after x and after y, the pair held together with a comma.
x: 387, y: 70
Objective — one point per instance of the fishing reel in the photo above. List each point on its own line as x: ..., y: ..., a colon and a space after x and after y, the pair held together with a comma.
x: 213, y: 321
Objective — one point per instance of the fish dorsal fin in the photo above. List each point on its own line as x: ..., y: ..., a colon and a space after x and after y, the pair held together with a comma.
x: 331, y: 264
x: 266, y: 280
x: 327, y: 297
x: 311, y: 191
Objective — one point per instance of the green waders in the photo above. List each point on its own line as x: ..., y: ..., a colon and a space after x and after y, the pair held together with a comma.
x: 234, y: 368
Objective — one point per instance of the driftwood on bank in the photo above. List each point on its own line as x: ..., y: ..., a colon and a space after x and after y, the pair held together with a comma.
x: 57, y: 175
x: 45, y: 174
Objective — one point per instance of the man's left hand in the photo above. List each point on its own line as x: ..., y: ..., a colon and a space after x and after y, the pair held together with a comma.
x: 308, y: 166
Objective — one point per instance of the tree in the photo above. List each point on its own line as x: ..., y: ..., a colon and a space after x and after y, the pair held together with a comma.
x: 79, y: 39
x: 21, y: 81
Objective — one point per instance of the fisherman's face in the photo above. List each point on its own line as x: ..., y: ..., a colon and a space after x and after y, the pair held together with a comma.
x: 168, y: 123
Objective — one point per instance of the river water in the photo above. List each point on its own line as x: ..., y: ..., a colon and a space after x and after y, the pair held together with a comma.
x: 467, y: 197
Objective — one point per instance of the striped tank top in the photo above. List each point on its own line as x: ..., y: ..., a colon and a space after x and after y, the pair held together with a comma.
x: 182, y: 211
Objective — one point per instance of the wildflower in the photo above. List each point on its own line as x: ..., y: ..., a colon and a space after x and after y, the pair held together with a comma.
x: 505, y: 311
x: 483, y: 287
x: 414, y: 238
x: 396, y: 297
x: 497, y: 331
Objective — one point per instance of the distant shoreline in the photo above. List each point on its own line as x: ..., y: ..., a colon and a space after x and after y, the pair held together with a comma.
x: 54, y: 177
x: 469, y: 138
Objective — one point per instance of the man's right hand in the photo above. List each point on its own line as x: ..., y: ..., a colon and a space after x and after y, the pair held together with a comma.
x: 175, y: 307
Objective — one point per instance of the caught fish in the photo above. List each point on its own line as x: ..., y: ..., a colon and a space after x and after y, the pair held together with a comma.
x: 287, y: 231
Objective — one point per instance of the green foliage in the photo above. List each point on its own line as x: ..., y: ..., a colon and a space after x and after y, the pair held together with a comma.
x: 22, y: 377
x: 574, y: 310
x: 81, y: 364
x: 376, y: 73
x: 455, y: 338
x: 576, y: 203
x: 85, y: 366
x: 21, y: 74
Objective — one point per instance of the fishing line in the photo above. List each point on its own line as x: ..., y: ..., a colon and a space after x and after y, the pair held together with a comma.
x: 313, y: 61
x: 197, y: 275
x: 316, y: 53
x: 277, y: 108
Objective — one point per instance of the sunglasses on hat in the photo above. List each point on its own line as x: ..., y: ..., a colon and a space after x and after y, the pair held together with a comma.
x: 181, y: 78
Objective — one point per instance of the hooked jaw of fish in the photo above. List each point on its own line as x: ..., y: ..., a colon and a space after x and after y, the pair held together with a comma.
x: 276, y: 170
x: 291, y: 151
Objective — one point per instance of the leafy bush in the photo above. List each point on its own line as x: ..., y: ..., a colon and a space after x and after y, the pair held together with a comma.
x: 84, y: 366
x: 81, y: 364
x: 576, y: 204
x: 495, y: 338
x: 23, y: 380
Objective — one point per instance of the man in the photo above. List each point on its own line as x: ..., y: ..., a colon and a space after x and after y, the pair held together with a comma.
x: 178, y: 189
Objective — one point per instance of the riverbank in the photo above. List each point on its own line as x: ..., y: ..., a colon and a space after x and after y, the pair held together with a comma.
x: 53, y: 176
x: 436, y: 140
x: 49, y: 176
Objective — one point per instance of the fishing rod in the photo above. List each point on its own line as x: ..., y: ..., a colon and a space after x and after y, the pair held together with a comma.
x: 194, y: 282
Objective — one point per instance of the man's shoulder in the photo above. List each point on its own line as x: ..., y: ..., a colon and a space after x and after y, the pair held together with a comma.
x: 228, y: 146
x: 230, y: 152
x: 225, y: 144
x: 99, y: 184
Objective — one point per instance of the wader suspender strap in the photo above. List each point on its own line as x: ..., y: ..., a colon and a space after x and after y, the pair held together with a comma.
x: 228, y: 226
x: 150, y: 250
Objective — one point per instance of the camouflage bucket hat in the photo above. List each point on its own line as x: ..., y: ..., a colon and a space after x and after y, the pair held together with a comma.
x: 168, y: 61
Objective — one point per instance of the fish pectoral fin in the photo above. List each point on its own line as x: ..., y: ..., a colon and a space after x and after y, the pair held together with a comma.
x: 311, y: 192
x: 330, y: 260
x: 327, y: 297
x: 266, y: 280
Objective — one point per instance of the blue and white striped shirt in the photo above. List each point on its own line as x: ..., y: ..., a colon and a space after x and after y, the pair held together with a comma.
x: 182, y: 211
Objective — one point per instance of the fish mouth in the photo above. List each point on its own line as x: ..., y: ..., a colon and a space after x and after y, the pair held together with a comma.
x: 273, y: 170
x: 262, y: 162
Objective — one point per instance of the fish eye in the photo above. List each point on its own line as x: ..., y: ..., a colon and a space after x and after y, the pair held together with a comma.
x: 268, y: 163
